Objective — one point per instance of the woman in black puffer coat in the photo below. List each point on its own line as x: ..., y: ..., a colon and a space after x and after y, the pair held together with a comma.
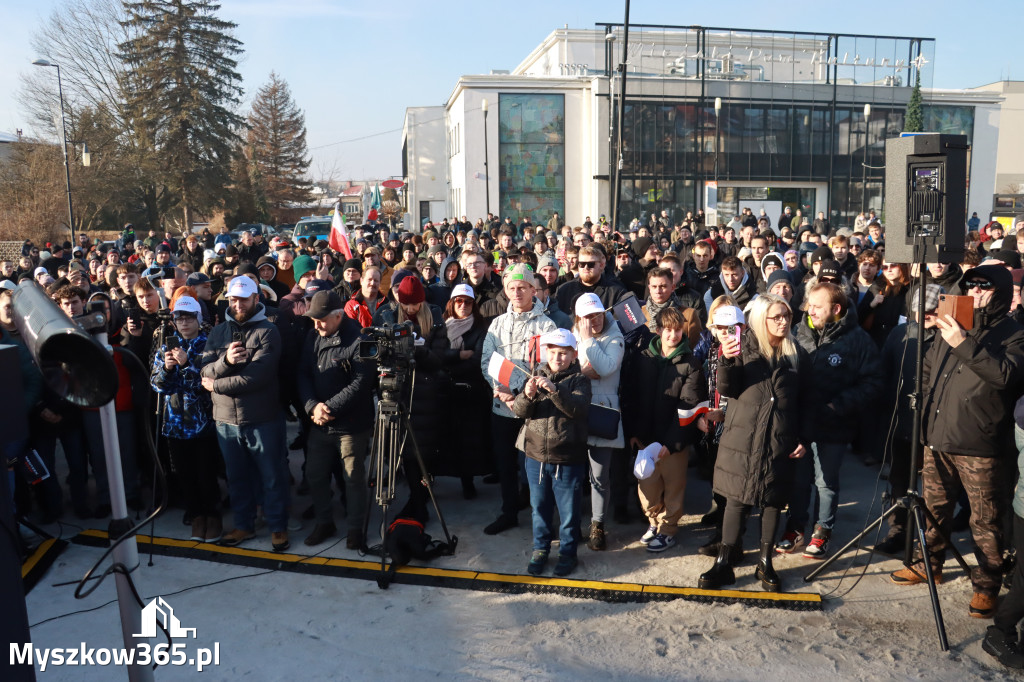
x: 761, y: 375
x: 469, y: 408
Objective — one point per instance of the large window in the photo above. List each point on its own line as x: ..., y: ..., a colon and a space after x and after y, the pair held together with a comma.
x: 531, y: 155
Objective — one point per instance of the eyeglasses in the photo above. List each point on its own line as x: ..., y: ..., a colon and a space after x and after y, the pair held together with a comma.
x: 587, y: 264
x: 984, y: 285
x: 890, y: 266
x: 779, y: 319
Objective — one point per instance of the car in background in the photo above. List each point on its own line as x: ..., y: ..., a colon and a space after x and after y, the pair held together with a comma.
x: 266, y: 230
x: 312, y: 228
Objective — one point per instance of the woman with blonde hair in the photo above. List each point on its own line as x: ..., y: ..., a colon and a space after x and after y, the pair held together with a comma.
x: 761, y: 373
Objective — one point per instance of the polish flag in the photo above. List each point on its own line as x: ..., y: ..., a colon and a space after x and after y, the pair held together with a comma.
x: 500, y: 369
x: 687, y: 417
x: 339, y: 235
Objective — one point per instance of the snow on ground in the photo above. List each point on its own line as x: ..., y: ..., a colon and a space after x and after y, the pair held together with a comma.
x: 280, y: 625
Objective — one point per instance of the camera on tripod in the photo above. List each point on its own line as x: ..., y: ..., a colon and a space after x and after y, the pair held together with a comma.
x: 391, y: 347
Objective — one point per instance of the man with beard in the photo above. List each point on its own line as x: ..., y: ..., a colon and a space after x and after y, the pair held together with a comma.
x: 240, y: 369
x: 592, y: 279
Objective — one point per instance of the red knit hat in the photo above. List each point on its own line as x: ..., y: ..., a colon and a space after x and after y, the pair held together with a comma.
x: 410, y: 291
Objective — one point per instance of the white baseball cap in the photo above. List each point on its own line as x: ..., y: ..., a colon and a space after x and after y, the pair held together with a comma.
x: 588, y: 304
x: 559, y: 337
x: 242, y: 287
x: 728, y: 315
x: 40, y: 271
x: 462, y: 290
x: 187, y: 304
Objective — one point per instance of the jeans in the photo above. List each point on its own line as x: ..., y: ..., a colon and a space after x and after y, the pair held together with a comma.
x: 556, y: 486
x: 255, y: 456
x: 825, y: 463
x: 600, y: 477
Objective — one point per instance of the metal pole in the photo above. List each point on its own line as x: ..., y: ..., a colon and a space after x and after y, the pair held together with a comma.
x: 621, y: 122
x: 126, y: 553
x: 64, y: 148
x: 487, y: 173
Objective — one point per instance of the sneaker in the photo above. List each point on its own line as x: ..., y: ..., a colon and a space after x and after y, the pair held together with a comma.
x: 1003, y: 647
x: 236, y: 537
x: 982, y: 605
x: 294, y: 524
x: 538, y: 560
x: 914, y: 575
x: 660, y: 543
x: 566, y: 565
x: 279, y: 541
x: 817, y: 548
x: 789, y: 542
x: 652, y: 532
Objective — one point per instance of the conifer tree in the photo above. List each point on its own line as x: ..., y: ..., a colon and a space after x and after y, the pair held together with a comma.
x: 277, y: 138
x: 185, y: 91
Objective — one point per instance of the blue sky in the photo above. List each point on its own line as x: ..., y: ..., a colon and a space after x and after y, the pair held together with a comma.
x: 355, y: 67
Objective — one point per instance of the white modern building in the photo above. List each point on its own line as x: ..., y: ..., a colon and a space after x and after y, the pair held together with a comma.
x: 713, y: 119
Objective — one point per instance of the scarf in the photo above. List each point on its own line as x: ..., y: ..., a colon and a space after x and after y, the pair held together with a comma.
x: 457, y: 328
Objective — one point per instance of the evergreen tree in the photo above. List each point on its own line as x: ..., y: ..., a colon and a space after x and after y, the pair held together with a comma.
x: 913, y: 120
x: 277, y: 137
x: 185, y: 90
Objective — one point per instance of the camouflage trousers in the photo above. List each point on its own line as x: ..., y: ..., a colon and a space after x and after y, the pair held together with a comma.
x: 984, y: 480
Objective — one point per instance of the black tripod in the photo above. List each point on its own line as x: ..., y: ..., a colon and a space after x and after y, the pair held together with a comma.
x: 390, y: 430
x: 912, y: 500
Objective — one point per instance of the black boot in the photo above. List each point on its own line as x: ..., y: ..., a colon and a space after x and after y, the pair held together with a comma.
x: 765, y: 572
x: 720, y: 573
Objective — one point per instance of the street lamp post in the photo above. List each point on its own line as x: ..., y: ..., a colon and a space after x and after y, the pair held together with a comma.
x: 487, y: 174
x: 63, y: 144
x: 864, y: 161
x: 718, y: 141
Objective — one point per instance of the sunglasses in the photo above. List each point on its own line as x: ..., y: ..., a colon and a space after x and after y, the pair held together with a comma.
x: 587, y: 264
x: 979, y: 284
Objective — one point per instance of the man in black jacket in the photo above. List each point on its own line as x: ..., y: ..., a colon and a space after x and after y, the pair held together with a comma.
x: 592, y: 279
x: 335, y: 389
x: 972, y: 380
x: 847, y: 378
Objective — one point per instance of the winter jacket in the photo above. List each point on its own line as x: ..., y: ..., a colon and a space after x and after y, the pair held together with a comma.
x: 656, y: 388
x: 608, y: 289
x: 846, y: 378
x: 899, y: 367
x: 556, y: 423
x: 359, y: 310
x: 879, y: 321
x: 700, y: 281
x: 762, y: 425
x: 188, y: 409
x: 744, y: 293
x: 970, y: 390
x: 605, y: 354
x: 331, y: 372
x: 509, y: 335
x: 246, y: 393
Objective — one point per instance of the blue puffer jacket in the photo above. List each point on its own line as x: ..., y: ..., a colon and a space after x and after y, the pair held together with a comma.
x: 188, y: 409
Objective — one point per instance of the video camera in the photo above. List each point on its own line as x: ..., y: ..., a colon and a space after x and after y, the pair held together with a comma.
x: 391, y: 347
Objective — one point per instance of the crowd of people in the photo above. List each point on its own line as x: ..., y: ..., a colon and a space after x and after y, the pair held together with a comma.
x: 766, y: 355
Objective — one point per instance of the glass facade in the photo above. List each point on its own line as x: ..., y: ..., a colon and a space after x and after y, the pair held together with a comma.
x: 531, y: 154
x: 792, y: 113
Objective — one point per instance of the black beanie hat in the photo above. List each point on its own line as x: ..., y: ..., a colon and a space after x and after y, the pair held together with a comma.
x: 821, y: 253
x: 640, y: 246
x: 776, y: 277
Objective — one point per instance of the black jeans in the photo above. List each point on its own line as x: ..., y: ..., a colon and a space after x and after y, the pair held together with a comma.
x: 504, y: 431
x: 195, y: 464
